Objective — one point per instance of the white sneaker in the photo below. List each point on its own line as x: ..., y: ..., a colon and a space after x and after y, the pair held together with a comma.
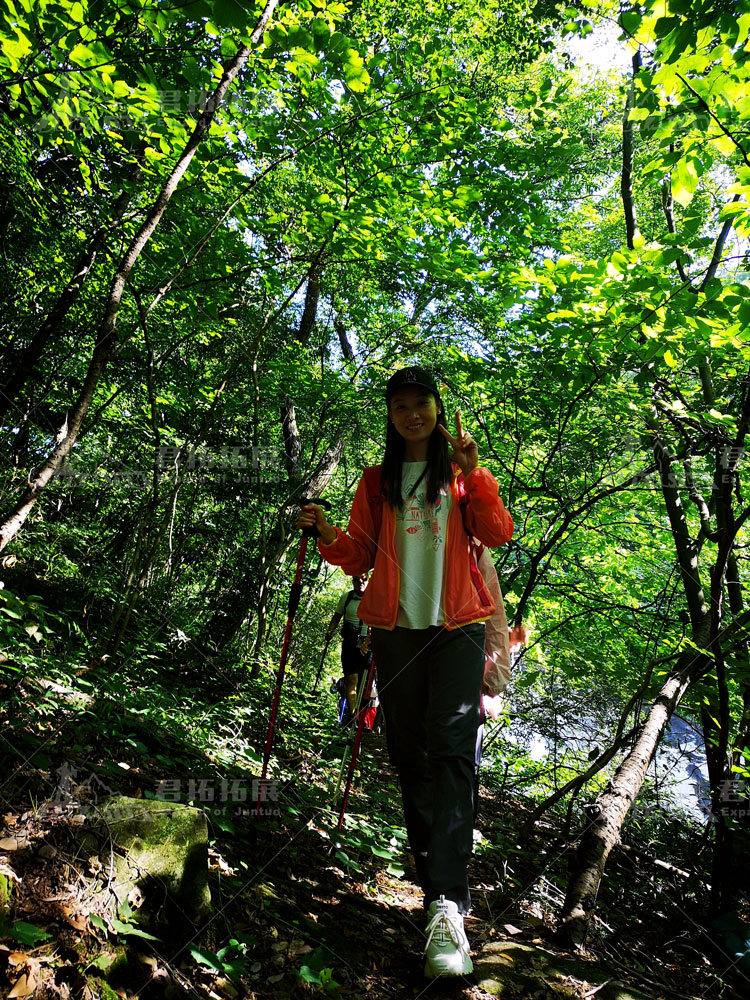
x: 447, y: 949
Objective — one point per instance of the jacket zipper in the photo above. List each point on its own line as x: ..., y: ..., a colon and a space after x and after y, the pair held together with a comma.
x: 398, y: 569
x: 445, y: 554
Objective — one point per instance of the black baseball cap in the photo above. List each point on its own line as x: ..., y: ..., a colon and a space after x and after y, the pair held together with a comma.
x: 413, y: 376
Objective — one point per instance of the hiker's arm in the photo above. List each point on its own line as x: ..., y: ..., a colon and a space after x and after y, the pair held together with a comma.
x: 332, y: 627
x: 354, y: 549
x: 485, y: 515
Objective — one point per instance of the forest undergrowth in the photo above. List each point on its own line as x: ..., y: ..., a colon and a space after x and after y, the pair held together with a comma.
x: 299, y: 907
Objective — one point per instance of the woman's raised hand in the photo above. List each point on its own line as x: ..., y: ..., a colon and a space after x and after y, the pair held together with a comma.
x: 465, y: 453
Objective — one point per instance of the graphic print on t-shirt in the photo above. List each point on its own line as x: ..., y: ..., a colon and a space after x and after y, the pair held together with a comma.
x: 422, y: 519
x: 421, y: 530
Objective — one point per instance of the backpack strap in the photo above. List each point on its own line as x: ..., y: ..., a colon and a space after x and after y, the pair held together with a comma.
x: 374, y: 497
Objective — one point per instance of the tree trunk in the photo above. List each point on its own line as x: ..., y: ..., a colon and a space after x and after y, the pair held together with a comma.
x: 292, y: 443
x: 315, y: 485
x: 35, y: 349
x: 611, y: 807
x: 107, y: 333
x: 310, y: 312
x: 626, y: 177
x: 346, y: 347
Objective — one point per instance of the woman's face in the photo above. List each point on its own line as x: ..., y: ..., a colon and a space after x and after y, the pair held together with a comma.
x: 414, y: 412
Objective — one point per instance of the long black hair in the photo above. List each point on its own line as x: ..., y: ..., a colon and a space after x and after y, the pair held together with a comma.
x: 438, y: 471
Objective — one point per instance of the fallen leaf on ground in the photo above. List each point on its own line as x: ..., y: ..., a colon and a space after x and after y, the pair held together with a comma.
x: 75, y: 918
x: 24, y: 986
x: 13, y: 844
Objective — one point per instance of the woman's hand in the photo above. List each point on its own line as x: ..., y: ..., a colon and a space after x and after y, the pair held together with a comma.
x: 465, y: 453
x: 310, y: 514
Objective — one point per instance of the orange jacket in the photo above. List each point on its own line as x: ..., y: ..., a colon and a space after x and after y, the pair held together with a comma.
x: 355, y: 552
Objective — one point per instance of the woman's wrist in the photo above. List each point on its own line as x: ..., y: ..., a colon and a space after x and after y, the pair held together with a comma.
x: 328, y: 535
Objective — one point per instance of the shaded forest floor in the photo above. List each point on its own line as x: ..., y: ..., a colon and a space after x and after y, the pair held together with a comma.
x: 300, y: 909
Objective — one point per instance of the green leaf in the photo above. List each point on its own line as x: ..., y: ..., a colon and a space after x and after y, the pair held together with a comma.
x: 665, y: 25
x: 28, y: 934
x: 207, y: 958
x: 380, y: 852
x: 132, y: 930
x: 630, y: 21
x: 309, y: 975
x: 230, y: 13
x: 685, y: 180
x: 228, y: 47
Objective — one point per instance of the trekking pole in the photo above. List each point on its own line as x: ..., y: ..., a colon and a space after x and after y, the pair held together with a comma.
x: 320, y: 668
x: 357, y: 742
x: 294, y: 596
x: 355, y: 717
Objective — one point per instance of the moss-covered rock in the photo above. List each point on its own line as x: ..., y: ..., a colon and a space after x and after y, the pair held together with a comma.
x: 159, y: 854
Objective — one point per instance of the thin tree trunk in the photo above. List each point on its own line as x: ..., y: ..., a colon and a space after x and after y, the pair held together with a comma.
x: 667, y: 205
x: 106, y: 336
x: 346, y: 347
x: 81, y: 270
x: 310, y: 312
x: 626, y: 177
x: 283, y: 539
x: 611, y: 807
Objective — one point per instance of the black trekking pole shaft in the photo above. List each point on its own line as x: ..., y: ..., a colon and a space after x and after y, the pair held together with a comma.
x: 357, y: 742
x: 294, y: 598
x: 320, y: 668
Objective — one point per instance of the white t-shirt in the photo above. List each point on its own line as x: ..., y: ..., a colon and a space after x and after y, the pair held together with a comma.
x: 420, y: 548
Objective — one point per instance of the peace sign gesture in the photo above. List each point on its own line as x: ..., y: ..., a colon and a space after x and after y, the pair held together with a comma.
x: 465, y: 452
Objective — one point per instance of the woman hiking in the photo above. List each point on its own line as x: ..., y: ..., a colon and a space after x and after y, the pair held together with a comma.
x: 426, y: 604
